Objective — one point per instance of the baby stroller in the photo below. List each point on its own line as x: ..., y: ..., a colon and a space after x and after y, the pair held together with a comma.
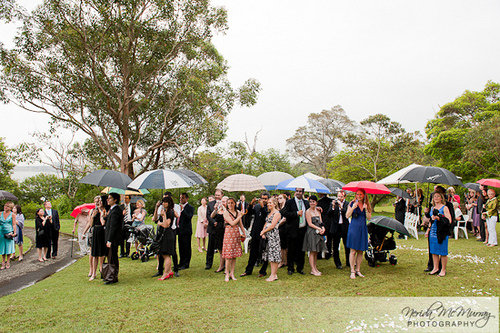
x: 145, y: 236
x: 379, y: 245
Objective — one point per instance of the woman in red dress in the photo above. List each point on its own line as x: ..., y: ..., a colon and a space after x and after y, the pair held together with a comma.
x: 231, y: 246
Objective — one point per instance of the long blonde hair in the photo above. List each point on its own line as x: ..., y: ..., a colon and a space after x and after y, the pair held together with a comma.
x: 366, y: 200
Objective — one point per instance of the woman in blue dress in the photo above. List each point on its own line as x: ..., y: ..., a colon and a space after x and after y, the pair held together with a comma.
x: 357, y: 234
x: 7, y: 234
x: 438, y: 250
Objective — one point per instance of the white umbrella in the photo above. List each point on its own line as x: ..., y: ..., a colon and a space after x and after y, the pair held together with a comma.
x: 271, y: 179
x: 394, y: 178
x: 241, y: 182
x: 312, y: 176
x: 161, y: 179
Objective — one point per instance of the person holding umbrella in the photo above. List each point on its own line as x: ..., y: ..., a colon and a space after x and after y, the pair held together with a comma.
x: 357, y: 236
x: 438, y: 233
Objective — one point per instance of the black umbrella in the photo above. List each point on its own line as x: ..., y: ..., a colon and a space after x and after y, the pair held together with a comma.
x: 390, y: 223
x: 333, y: 185
x: 472, y: 186
x: 107, y: 178
x: 429, y: 174
x: 4, y: 195
x: 399, y: 192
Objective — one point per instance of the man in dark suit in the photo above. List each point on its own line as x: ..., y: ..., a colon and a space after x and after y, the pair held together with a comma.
x: 400, y: 212
x: 260, y: 214
x: 325, y: 203
x: 185, y: 230
x: 215, y: 230
x: 244, y: 208
x: 113, y: 235
x: 294, y: 212
x: 128, y: 209
x: 339, y: 227
x: 54, y: 231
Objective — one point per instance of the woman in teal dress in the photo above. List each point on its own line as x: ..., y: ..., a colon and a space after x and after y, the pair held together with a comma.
x: 7, y: 234
x: 439, y: 250
x: 357, y: 234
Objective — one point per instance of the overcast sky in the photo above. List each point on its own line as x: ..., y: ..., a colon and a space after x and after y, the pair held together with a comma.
x: 400, y: 58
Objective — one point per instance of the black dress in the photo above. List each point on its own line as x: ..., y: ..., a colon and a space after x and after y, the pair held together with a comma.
x: 42, y: 233
x: 98, y: 246
x: 167, y: 244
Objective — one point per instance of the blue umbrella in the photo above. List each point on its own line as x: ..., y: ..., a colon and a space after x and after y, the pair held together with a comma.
x: 309, y: 185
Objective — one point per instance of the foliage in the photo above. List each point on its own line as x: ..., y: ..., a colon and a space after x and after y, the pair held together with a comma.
x: 6, y: 166
x: 464, y: 134
x: 317, y: 142
x: 41, y: 186
x: 141, y: 78
x: 10, y: 11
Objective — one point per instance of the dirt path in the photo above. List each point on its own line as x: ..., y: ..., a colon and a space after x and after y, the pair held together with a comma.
x: 26, y: 273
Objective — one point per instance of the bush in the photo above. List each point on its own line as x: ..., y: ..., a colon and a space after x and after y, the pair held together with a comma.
x: 30, y: 208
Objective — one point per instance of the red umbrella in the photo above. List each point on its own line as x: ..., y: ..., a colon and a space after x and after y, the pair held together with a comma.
x: 78, y: 209
x: 490, y: 182
x: 369, y: 187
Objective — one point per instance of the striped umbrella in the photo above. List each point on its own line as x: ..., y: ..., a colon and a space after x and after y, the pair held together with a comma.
x: 163, y: 179
x: 309, y: 185
x: 242, y: 183
x: 108, y: 190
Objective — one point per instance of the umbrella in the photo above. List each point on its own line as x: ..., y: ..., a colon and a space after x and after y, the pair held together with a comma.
x: 368, y: 186
x: 395, y: 177
x: 333, y: 185
x: 134, y: 199
x: 195, y: 177
x: 312, y: 176
x: 126, y: 192
x: 107, y: 178
x: 472, y: 186
x: 271, y: 179
x: 429, y: 174
x: 390, y: 223
x: 4, y: 195
x: 79, y: 209
x: 162, y: 179
x: 309, y: 185
x: 490, y: 182
x: 399, y: 192
x: 241, y: 182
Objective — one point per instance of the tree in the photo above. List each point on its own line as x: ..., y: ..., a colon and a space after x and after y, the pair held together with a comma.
x: 141, y: 78
x: 317, y: 142
x: 41, y: 186
x: 10, y: 11
x: 6, y: 167
x: 463, y: 135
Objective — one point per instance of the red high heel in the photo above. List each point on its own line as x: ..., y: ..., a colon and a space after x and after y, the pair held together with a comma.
x: 168, y: 276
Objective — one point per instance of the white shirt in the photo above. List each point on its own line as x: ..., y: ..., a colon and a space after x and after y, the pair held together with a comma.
x: 177, y: 209
x: 340, y: 211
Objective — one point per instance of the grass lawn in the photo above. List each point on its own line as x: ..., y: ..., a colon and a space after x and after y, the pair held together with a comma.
x: 200, y: 300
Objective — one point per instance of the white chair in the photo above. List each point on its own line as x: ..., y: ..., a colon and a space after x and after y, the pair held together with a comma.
x: 461, y: 225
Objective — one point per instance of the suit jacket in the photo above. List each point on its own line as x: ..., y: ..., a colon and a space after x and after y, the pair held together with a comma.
x: 292, y: 218
x: 334, y: 213
x: 325, y: 203
x: 260, y: 214
x: 55, y: 225
x: 400, y: 210
x: 114, y: 225
x: 211, y: 228
x: 185, y: 227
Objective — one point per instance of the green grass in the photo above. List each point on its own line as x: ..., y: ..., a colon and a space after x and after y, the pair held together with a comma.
x: 201, y: 301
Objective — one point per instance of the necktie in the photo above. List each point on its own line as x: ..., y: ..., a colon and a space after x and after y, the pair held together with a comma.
x: 301, y: 218
x: 127, y: 213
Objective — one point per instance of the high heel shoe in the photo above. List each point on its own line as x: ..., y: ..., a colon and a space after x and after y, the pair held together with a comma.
x: 92, y: 278
x: 358, y: 273
x: 353, y: 275
x: 226, y: 278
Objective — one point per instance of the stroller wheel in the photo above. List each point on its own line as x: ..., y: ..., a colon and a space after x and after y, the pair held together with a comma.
x: 144, y: 258
x: 135, y: 256
x: 393, y: 260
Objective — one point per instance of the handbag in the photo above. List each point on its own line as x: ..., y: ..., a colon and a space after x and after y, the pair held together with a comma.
x: 90, y: 236
x: 109, y: 271
x: 8, y: 236
x: 41, y: 233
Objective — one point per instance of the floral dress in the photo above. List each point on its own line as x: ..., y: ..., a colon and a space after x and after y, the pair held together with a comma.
x: 272, y: 252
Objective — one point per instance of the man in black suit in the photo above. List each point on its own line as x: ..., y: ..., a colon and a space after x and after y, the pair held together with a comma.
x: 215, y: 230
x: 400, y: 211
x: 185, y: 230
x: 128, y: 209
x: 325, y: 203
x: 244, y: 208
x: 113, y: 235
x: 339, y: 227
x: 260, y: 213
x: 54, y: 231
x: 294, y: 212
